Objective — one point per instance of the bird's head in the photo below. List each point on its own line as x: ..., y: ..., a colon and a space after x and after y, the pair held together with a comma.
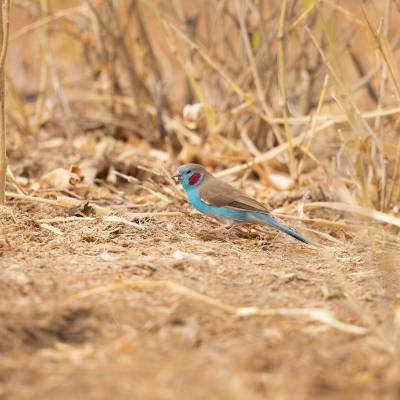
x: 189, y: 175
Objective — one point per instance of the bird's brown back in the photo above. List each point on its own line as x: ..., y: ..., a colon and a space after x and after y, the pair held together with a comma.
x: 218, y: 193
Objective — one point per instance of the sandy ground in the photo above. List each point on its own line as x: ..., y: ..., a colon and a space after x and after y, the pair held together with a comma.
x: 58, y: 340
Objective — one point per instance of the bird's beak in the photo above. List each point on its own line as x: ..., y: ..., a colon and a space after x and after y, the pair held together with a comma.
x: 177, y: 178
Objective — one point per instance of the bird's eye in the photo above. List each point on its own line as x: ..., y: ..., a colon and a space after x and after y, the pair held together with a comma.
x: 189, y: 172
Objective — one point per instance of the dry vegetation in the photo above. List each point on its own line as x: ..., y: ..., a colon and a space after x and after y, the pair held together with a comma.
x: 113, y: 288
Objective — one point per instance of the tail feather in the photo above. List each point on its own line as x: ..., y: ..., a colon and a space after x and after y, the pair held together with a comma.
x: 267, y: 219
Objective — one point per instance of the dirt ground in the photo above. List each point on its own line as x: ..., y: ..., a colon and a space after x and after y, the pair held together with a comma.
x: 59, y: 341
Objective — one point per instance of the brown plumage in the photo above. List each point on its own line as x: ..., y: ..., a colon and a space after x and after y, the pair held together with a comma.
x: 218, y: 193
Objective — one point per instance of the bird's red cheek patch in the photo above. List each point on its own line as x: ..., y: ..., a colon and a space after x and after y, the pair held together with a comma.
x: 194, y: 178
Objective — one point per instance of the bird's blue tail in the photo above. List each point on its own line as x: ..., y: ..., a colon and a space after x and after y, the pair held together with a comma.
x: 267, y: 219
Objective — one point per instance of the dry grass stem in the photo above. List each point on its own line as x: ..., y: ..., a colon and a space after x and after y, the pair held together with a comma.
x: 319, y: 315
x: 4, y: 33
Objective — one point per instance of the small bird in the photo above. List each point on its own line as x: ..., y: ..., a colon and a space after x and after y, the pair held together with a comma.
x: 222, y: 201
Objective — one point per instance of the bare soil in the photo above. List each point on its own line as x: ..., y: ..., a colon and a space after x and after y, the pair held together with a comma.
x: 154, y: 343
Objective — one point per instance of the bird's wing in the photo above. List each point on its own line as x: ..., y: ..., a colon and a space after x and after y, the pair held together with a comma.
x: 221, y: 194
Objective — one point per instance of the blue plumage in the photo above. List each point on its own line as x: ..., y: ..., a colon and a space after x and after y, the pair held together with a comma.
x: 218, y: 199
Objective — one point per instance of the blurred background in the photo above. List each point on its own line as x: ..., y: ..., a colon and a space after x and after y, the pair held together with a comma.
x: 107, y: 85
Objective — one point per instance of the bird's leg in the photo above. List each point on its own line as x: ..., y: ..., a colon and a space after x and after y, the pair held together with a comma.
x: 230, y: 226
x: 226, y: 227
x: 247, y: 228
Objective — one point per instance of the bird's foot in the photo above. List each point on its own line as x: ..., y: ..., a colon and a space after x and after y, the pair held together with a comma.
x: 221, y: 231
x: 238, y: 230
x: 228, y: 227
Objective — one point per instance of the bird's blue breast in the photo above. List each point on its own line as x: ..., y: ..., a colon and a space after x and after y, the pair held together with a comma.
x: 223, y: 213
